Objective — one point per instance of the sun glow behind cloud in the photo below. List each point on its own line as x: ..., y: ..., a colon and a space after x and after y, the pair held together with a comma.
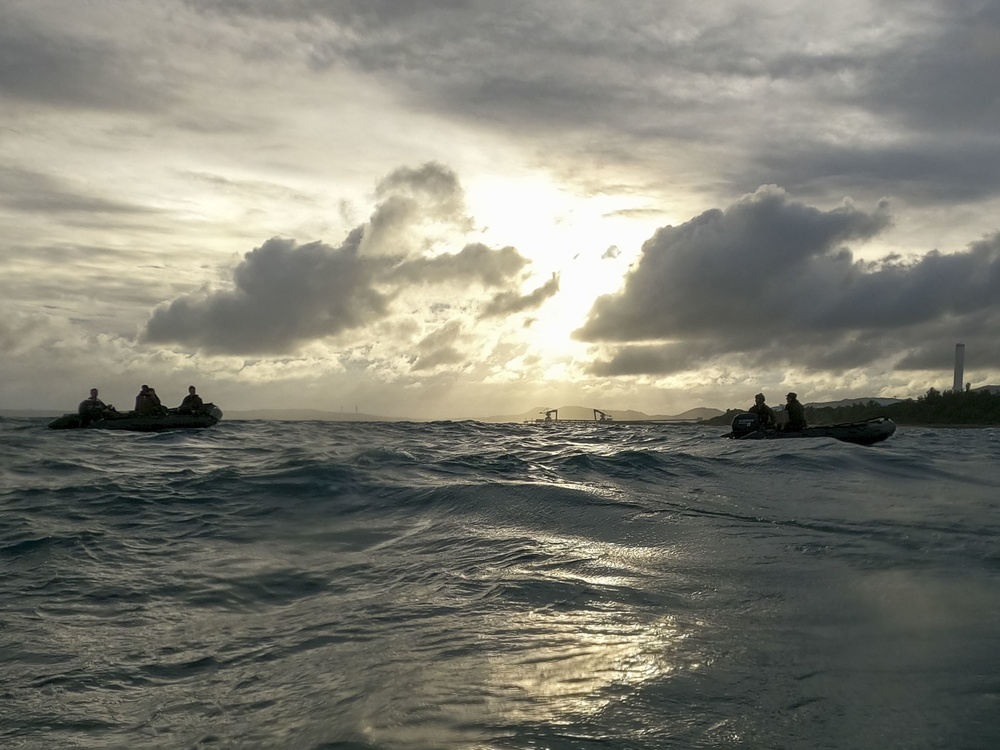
x: 563, y: 233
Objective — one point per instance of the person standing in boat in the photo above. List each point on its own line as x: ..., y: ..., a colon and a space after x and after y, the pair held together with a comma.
x: 192, y: 403
x: 763, y: 412
x: 796, y: 413
x: 91, y: 409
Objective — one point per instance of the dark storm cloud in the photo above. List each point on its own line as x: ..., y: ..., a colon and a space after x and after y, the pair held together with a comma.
x: 739, y: 268
x: 906, y: 108
x: 519, y: 61
x: 945, y: 78
x: 770, y: 279
x: 284, y: 294
x: 39, y: 64
x: 934, y: 350
x: 932, y: 103
x: 530, y: 67
x: 623, y: 81
x: 508, y: 303
x: 932, y: 170
x: 931, y: 100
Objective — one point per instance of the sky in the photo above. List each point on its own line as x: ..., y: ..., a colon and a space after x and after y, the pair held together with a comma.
x: 447, y: 209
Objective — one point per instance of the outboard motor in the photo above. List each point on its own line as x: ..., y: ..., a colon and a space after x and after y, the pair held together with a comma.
x: 744, y: 424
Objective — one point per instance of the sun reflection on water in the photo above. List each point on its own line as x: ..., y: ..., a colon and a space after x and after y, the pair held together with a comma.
x: 566, y: 658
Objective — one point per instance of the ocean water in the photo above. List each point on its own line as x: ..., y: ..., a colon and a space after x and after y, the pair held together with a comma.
x: 463, y: 585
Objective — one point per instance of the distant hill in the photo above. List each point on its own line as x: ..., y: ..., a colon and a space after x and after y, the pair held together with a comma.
x: 701, y: 412
x: 585, y: 413
x: 852, y: 402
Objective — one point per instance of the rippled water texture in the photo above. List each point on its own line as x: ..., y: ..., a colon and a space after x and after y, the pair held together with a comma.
x: 461, y: 585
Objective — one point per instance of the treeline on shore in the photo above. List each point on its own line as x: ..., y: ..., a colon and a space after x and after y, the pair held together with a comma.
x: 933, y: 408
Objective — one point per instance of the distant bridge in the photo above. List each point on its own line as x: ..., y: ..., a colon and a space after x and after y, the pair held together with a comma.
x: 602, y: 417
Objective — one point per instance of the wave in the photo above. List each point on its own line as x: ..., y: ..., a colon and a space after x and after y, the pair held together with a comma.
x: 459, y: 585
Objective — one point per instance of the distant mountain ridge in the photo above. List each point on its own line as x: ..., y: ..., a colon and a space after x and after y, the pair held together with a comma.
x: 852, y: 402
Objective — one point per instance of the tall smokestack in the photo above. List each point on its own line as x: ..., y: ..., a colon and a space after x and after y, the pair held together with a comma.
x: 959, y: 367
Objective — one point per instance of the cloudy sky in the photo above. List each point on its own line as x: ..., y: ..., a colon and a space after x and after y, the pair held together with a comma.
x: 459, y: 208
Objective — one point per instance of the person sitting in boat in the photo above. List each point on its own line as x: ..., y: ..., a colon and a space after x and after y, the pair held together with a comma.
x: 142, y: 400
x: 192, y: 403
x: 91, y: 409
x: 796, y: 413
x: 763, y: 412
x: 147, y: 403
x: 160, y: 408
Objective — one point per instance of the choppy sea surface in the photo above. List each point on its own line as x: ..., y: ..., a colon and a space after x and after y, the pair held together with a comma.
x: 465, y: 585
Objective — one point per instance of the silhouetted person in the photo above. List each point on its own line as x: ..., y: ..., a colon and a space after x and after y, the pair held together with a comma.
x: 763, y: 412
x: 147, y: 403
x: 160, y: 408
x: 141, y: 398
x: 91, y: 409
x: 192, y: 403
x: 796, y: 413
